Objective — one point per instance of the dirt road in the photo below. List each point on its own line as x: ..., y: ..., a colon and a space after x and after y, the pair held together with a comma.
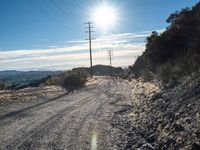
x: 82, y: 119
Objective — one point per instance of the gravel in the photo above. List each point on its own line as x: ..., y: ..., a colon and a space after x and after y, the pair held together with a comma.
x: 95, y: 117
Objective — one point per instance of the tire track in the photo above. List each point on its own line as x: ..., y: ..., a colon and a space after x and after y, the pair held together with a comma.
x: 45, y: 128
x: 84, y: 115
x: 29, y: 131
x: 30, y: 121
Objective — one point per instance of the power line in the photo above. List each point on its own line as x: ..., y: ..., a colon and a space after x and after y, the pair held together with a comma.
x: 61, y: 13
x: 46, y: 13
x: 62, y: 10
x: 89, y: 31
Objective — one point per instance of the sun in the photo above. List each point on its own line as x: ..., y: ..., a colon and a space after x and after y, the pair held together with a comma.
x: 104, y: 16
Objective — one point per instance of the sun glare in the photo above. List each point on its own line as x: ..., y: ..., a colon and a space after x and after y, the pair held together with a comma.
x: 104, y: 16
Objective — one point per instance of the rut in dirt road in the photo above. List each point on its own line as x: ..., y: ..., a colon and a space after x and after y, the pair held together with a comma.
x: 78, y: 120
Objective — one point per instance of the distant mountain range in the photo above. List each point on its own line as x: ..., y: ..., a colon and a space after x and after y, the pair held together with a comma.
x: 20, y: 78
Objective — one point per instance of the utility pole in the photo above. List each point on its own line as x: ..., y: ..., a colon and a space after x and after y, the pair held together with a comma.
x: 110, y: 54
x: 89, y: 31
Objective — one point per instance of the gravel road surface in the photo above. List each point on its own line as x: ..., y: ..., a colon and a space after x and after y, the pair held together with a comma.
x: 82, y: 119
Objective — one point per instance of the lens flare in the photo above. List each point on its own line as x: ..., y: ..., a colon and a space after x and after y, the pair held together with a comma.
x: 94, y: 141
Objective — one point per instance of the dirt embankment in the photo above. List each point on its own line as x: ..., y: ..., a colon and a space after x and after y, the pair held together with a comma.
x: 166, y: 118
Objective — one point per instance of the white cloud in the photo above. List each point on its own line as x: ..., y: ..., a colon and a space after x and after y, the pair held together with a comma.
x: 77, y: 54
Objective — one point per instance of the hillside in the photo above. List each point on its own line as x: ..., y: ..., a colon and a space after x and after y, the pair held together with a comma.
x: 167, y: 118
x: 103, y: 70
x: 167, y: 115
x: 175, y: 53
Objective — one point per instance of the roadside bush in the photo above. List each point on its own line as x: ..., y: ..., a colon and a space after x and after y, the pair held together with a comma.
x: 76, y: 77
x: 187, y: 65
x: 54, y: 80
x: 124, y: 75
x: 147, y: 75
x: 129, y: 79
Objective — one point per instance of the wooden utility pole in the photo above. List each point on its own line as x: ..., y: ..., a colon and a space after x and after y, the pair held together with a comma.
x: 89, y: 31
x: 110, y: 54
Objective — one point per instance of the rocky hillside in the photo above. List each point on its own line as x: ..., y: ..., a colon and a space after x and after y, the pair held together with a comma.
x: 175, y: 53
x: 166, y: 118
x: 167, y: 115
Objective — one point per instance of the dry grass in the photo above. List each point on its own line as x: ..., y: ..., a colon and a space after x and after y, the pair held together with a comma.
x: 30, y: 94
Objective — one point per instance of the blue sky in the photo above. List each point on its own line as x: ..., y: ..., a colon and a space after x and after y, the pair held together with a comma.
x: 49, y: 34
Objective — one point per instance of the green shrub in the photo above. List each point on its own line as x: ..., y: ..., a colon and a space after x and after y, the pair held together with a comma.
x: 76, y: 77
x: 54, y: 80
x: 124, y: 75
x: 189, y: 64
x: 184, y: 66
x: 129, y: 79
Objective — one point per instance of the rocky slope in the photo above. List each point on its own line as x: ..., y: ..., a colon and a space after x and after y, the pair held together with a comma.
x: 169, y: 118
x: 166, y: 118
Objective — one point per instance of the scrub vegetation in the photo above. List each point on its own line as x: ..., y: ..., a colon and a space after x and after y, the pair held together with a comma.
x: 174, y: 53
